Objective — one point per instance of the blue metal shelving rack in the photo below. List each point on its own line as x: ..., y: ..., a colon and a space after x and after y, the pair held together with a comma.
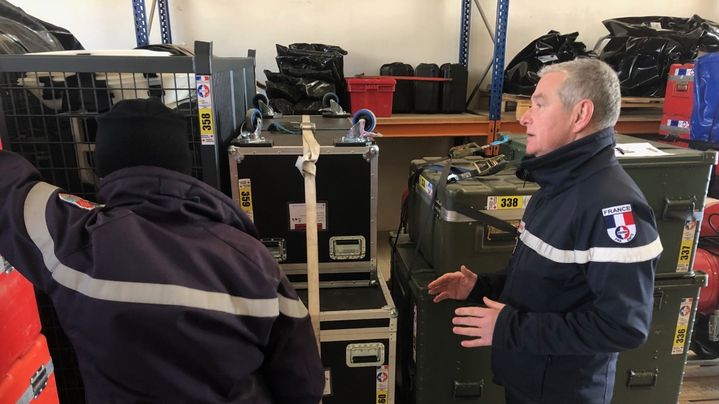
x: 141, y: 29
x: 500, y: 40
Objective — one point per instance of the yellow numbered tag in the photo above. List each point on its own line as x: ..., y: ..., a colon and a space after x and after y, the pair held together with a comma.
x: 680, y: 336
x: 425, y: 185
x: 687, y: 245
x: 206, y: 121
x: 245, y: 188
x: 507, y: 202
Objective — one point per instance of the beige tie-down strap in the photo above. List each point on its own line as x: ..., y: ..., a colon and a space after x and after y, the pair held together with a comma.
x: 306, y: 165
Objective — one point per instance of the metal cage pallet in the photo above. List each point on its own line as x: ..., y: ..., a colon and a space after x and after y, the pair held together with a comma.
x: 48, y: 105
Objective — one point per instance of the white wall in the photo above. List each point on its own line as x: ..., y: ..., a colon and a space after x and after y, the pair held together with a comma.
x: 373, y: 31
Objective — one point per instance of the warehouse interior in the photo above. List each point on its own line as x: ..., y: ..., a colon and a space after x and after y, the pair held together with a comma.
x: 374, y: 149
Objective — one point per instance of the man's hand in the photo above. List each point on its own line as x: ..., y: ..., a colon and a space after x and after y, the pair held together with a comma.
x: 477, y: 322
x: 454, y: 285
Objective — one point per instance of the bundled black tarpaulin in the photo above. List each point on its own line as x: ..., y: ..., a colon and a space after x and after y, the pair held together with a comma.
x: 306, y: 73
x: 520, y: 76
x: 22, y: 33
x: 641, y: 49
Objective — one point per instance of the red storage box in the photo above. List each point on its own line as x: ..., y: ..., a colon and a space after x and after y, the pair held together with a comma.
x: 679, y: 94
x: 19, y: 319
x: 31, y: 377
x: 374, y: 94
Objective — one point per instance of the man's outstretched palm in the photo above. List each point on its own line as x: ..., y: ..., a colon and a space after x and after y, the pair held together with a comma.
x: 454, y: 285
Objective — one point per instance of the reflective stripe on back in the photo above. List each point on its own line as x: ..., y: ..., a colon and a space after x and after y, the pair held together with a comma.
x: 139, y: 292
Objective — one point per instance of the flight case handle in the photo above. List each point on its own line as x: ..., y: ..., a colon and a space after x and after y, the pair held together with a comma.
x: 678, y: 208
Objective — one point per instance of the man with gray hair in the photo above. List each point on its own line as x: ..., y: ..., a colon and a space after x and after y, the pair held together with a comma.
x: 578, y: 288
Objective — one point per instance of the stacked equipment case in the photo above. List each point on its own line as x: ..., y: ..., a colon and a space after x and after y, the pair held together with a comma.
x: 432, y: 366
x: 438, y: 219
x: 357, y: 318
x: 674, y: 181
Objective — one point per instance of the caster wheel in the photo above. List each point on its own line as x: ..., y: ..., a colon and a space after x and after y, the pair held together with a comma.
x: 329, y: 97
x: 368, y: 116
x: 260, y: 97
x: 252, y: 117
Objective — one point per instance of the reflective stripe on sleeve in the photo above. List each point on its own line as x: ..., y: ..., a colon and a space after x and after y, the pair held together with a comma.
x: 139, y: 292
x: 623, y: 255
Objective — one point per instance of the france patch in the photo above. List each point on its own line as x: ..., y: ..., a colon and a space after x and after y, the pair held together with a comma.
x: 619, y: 221
x: 79, y: 202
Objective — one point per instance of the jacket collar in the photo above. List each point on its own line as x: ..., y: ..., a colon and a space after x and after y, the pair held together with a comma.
x: 570, y: 164
x: 160, y: 194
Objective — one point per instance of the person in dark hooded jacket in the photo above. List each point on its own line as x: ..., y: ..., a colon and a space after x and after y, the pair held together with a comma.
x: 163, y: 288
x: 579, y: 286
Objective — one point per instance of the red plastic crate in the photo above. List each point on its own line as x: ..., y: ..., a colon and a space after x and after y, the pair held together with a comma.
x: 374, y: 94
x: 31, y: 376
x: 19, y: 319
x: 679, y: 94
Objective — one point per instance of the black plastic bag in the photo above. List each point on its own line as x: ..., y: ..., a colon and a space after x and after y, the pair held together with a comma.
x: 307, y: 106
x: 693, y: 33
x: 49, y: 37
x: 520, y: 76
x: 16, y: 38
x: 282, y: 106
x: 641, y: 49
x: 318, y: 88
x: 642, y: 63
x: 283, y: 90
x: 310, y: 69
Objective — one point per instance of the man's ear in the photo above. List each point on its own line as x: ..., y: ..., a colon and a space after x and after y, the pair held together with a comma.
x: 583, y: 113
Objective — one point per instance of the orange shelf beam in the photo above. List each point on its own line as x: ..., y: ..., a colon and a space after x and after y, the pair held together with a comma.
x: 470, y: 125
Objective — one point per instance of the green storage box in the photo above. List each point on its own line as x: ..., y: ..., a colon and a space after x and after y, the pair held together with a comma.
x: 432, y: 366
x: 675, y: 185
x: 653, y: 372
x: 447, y: 238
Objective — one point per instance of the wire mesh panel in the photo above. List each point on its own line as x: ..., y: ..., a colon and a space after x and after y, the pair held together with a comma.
x: 50, y: 117
x: 48, y: 106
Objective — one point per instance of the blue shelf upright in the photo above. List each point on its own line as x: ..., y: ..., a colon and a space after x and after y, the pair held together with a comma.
x: 500, y: 42
x: 141, y: 27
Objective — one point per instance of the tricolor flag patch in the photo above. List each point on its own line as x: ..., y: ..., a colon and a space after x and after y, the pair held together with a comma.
x: 619, y: 221
x: 79, y: 202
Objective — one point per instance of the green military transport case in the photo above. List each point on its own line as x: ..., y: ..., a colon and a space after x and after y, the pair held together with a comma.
x: 653, y: 372
x: 432, y: 366
x: 448, y: 238
x: 673, y: 179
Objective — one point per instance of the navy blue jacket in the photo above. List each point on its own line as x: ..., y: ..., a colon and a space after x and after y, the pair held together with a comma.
x: 165, y: 292
x: 579, y: 285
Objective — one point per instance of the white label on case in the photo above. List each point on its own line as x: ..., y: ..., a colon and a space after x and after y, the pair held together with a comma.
x: 298, y: 216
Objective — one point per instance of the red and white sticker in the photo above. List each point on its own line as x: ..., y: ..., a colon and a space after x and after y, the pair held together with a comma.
x: 298, y: 216
x: 382, y: 384
x: 79, y: 202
